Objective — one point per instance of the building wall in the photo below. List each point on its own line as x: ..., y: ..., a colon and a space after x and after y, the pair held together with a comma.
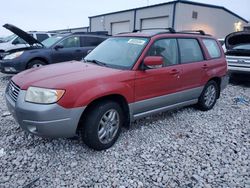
x: 154, y: 12
x: 103, y: 23
x: 216, y: 22
x: 79, y: 29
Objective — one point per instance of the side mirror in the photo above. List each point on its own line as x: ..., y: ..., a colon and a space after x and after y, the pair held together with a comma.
x: 59, y: 46
x: 153, y: 61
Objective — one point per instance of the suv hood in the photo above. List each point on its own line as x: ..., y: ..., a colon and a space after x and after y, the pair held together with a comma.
x: 237, y: 38
x: 55, y: 76
x: 22, y: 34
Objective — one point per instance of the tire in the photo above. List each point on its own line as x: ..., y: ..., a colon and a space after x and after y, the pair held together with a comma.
x: 208, y: 96
x: 35, y: 63
x: 102, y: 125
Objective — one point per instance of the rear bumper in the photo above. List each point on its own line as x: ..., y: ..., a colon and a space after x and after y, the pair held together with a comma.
x: 238, y: 64
x: 238, y: 69
x: 44, y: 120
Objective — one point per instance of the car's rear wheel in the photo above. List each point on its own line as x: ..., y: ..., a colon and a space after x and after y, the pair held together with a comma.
x: 36, y: 63
x: 102, y: 125
x: 208, y: 96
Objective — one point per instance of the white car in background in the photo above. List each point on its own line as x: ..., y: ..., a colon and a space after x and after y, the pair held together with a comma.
x: 13, y: 42
x: 238, y: 53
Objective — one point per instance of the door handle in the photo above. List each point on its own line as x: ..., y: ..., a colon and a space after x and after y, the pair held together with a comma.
x: 174, y: 71
x: 205, y: 66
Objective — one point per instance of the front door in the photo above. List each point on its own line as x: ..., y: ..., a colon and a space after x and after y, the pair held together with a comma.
x: 156, y: 86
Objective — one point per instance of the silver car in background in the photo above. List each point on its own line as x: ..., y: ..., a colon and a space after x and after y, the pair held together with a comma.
x: 238, y: 53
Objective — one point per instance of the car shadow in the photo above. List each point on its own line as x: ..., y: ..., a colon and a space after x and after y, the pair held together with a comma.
x: 240, y: 80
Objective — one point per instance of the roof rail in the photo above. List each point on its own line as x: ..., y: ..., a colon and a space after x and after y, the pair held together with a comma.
x: 94, y: 32
x: 193, y: 31
x: 170, y: 29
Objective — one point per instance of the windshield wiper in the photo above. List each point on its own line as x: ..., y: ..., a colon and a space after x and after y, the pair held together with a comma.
x: 95, y: 62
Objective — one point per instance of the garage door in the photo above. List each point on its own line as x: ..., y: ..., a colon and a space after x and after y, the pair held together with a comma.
x: 159, y: 22
x: 119, y: 27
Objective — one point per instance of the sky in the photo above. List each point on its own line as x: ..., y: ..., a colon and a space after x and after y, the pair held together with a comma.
x: 37, y: 15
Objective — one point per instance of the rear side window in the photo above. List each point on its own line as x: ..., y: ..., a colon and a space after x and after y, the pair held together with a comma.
x: 71, y: 42
x: 92, y: 41
x: 41, y: 37
x: 190, y: 50
x: 212, y: 48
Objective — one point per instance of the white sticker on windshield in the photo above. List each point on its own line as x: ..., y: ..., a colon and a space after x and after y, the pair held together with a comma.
x: 136, y: 41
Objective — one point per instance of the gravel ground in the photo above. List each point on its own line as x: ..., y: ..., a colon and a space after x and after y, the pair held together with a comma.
x: 180, y: 148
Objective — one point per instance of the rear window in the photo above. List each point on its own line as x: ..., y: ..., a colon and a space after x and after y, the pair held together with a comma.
x: 212, y: 48
x: 190, y: 50
x: 41, y: 37
x: 92, y: 41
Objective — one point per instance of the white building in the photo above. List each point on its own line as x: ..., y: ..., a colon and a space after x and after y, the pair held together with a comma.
x: 179, y: 14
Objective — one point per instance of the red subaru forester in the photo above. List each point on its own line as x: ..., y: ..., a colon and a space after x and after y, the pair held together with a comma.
x: 128, y: 76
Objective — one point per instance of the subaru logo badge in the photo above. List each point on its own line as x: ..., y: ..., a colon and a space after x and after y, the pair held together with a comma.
x: 11, y: 89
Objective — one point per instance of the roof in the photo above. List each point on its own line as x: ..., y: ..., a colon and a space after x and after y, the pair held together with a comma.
x: 69, y: 29
x: 174, y: 2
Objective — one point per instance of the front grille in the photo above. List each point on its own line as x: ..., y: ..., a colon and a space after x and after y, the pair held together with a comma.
x: 13, y: 90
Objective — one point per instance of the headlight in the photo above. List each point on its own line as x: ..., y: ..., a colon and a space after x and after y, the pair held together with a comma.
x: 42, y: 95
x: 13, y: 55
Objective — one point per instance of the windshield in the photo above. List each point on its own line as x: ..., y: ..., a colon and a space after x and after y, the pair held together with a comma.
x: 242, y: 47
x: 50, y: 41
x: 118, y: 52
x: 9, y: 38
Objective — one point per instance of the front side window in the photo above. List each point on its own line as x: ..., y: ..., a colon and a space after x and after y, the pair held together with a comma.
x: 190, y: 50
x: 212, y: 48
x: 118, y: 52
x: 166, y: 48
x: 71, y: 42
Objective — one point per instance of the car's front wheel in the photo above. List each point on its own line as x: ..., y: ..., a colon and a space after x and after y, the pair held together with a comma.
x: 102, y: 125
x: 35, y: 63
x: 208, y: 96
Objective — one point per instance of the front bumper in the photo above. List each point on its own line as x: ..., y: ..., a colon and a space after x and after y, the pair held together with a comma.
x: 44, y: 120
x: 11, y: 66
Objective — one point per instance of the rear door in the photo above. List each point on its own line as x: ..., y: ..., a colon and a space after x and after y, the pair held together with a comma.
x: 194, y: 66
x: 155, y: 87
